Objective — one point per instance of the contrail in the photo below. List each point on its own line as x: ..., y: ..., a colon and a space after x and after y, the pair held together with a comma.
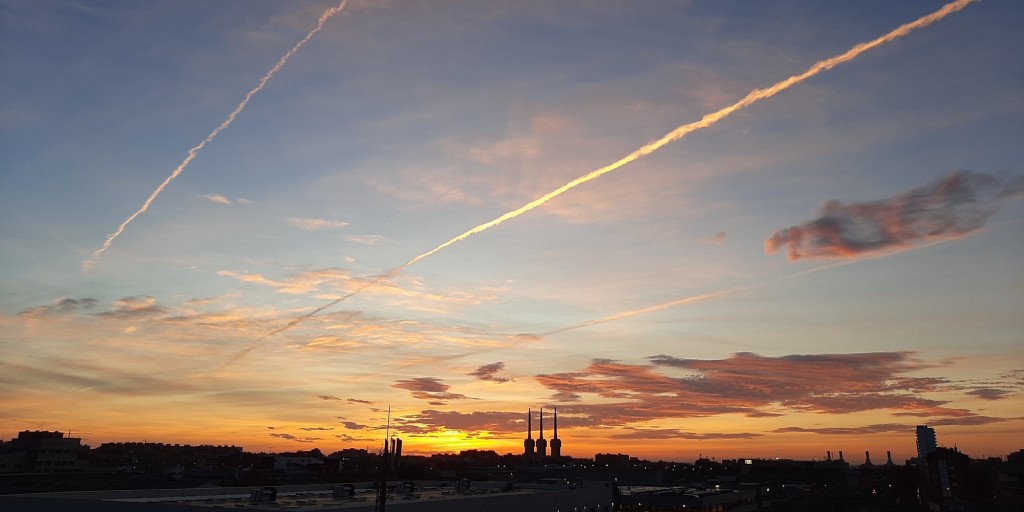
x: 708, y: 120
x: 672, y: 136
x: 712, y: 295
x: 209, y: 138
x: 650, y: 309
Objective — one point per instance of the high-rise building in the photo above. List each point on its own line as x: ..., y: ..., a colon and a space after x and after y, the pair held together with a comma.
x: 926, y: 442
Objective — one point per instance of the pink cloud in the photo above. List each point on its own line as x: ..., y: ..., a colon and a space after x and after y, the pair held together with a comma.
x: 953, y: 207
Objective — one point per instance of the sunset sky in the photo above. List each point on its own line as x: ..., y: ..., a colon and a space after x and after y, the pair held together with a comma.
x: 822, y: 269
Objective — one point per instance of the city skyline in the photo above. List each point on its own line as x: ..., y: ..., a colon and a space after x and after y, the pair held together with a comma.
x: 740, y: 269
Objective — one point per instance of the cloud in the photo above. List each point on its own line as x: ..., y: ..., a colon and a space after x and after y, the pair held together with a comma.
x: 216, y: 198
x: 67, y: 375
x: 351, y: 425
x: 718, y: 238
x: 353, y: 331
x: 487, y: 372
x: 972, y: 419
x: 953, y: 207
x: 428, y: 388
x: 433, y: 420
x: 293, y: 438
x: 881, y: 428
x: 333, y: 282
x: 61, y: 306
x: 358, y: 401
x: 672, y: 433
x: 311, y: 429
x: 328, y: 397
x: 310, y: 224
x: 366, y: 239
x: 751, y: 385
x: 990, y: 393
x: 135, y: 307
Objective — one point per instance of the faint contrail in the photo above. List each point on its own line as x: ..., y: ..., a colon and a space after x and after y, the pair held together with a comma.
x: 209, y: 138
x: 650, y: 309
x: 712, y: 295
x: 672, y: 136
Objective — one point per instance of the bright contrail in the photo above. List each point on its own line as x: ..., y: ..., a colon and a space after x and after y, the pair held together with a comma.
x: 672, y: 136
x: 209, y: 138
x: 708, y: 120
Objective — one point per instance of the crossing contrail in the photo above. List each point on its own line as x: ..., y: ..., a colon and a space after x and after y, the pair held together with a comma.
x: 216, y: 131
x: 672, y: 136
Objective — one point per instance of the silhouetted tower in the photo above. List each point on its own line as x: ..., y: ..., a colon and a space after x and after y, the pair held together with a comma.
x: 841, y: 456
x: 926, y: 442
x: 528, y: 444
x: 542, y: 445
x: 867, y: 459
x: 556, y: 443
x: 888, y: 458
x: 828, y: 454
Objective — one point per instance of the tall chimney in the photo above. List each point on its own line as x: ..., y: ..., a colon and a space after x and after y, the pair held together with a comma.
x: 829, y: 455
x: 556, y: 443
x: 542, y: 445
x: 528, y: 444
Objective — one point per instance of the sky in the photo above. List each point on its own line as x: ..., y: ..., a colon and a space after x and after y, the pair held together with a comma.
x: 820, y: 270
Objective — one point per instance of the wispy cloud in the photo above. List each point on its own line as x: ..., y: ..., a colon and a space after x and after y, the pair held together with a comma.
x: 881, y: 428
x: 135, y: 307
x: 334, y: 281
x: 673, y: 433
x: 61, y: 306
x: 313, y: 224
x: 953, y: 207
x: 718, y: 238
x: 366, y: 239
x: 216, y: 198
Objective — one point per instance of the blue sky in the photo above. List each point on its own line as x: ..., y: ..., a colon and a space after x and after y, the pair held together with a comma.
x: 401, y: 125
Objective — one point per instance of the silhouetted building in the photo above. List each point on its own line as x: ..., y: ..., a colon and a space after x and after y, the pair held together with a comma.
x: 1010, y: 482
x: 925, y: 441
x: 614, y: 460
x: 43, y: 452
x: 948, y: 475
